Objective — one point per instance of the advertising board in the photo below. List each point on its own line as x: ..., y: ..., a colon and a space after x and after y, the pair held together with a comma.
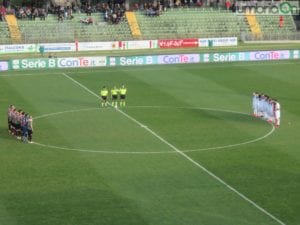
x: 224, y: 57
x: 84, y: 62
x: 295, y: 54
x: 57, y: 47
x: 269, y: 55
x: 19, y: 48
x: 3, y: 65
x: 145, y: 44
x: 178, y: 43
x: 76, y: 62
x: 44, y: 63
x: 38, y: 63
x: 218, y: 42
x: 98, y: 46
x: 132, y: 60
x: 178, y: 59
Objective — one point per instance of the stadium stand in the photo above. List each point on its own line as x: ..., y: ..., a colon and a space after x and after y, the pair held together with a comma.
x: 51, y: 30
x: 181, y: 22
x: 270, y: 26
x: 191, y: 22
x: 4, y: 34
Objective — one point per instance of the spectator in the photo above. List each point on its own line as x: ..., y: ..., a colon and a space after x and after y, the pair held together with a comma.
x: 60, y: 16
x: 89, y: 10
x: 87, y: 21
x: 227, y: 4
x: 281, y: 21
x: 69, y: 13
x: 2, y: 12
x: 21, y: 13
x: 152, y: 10
x: 177, y: 3
x: 42, y: 14
x: 233, y: 8
x: 217, y: 3
x: 136, y: 6
x: 199, y: 3
x: 35, y: 13
x: 114, y: 13
x: 28, y: 13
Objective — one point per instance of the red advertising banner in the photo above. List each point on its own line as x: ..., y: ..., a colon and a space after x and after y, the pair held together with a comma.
x: 178, y: 43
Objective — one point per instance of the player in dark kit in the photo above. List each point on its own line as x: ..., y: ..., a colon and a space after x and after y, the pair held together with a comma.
x: 9, y: 117
x: 18, y: 119
x: 30, y: 128
x: 24, y: 125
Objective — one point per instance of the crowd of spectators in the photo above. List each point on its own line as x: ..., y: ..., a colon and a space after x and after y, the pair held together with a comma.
x: 23, y: 12
x: 113, y: 13
x: 155, y: 8
x: 30, y: 13
x: 63, y: 12
x: 152, y: 9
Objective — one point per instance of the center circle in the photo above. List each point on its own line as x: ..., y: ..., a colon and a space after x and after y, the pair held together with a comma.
x: 100, y: 130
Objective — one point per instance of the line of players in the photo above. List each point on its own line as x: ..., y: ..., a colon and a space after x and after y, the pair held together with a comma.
x: 115, y: 93
x: 267, y: 108
x: 20, y: 124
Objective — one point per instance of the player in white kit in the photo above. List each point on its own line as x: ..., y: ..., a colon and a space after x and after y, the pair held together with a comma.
x: 255, y: 103
x: 277, y: 113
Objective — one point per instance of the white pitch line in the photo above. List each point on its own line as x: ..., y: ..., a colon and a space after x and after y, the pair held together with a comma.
x: 184, y: 155
x: 212, y: 109
x: 152, y: 152
x: 98, y: 151
x: 232, y: 145
x: 63, y: 112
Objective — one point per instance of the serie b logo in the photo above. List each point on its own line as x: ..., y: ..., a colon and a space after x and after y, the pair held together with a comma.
x: 149, y: 60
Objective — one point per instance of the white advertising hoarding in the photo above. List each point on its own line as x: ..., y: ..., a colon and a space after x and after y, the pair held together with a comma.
x: 81, y: 62
x: 270, y: 55
x: 218, y: 42
x: 98, y: 46
x: 145, y: 44
x: 178, y: 59
x: 3, y: 65
x: 26, y: 48
x: 57, y: 47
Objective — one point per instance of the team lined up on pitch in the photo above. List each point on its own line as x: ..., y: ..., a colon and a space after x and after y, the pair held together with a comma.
x: 116, y: 93
x: 20, y: 124
x: 266, y: 108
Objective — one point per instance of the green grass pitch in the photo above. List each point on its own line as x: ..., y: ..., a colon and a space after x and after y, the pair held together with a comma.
x: 184, y: 150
